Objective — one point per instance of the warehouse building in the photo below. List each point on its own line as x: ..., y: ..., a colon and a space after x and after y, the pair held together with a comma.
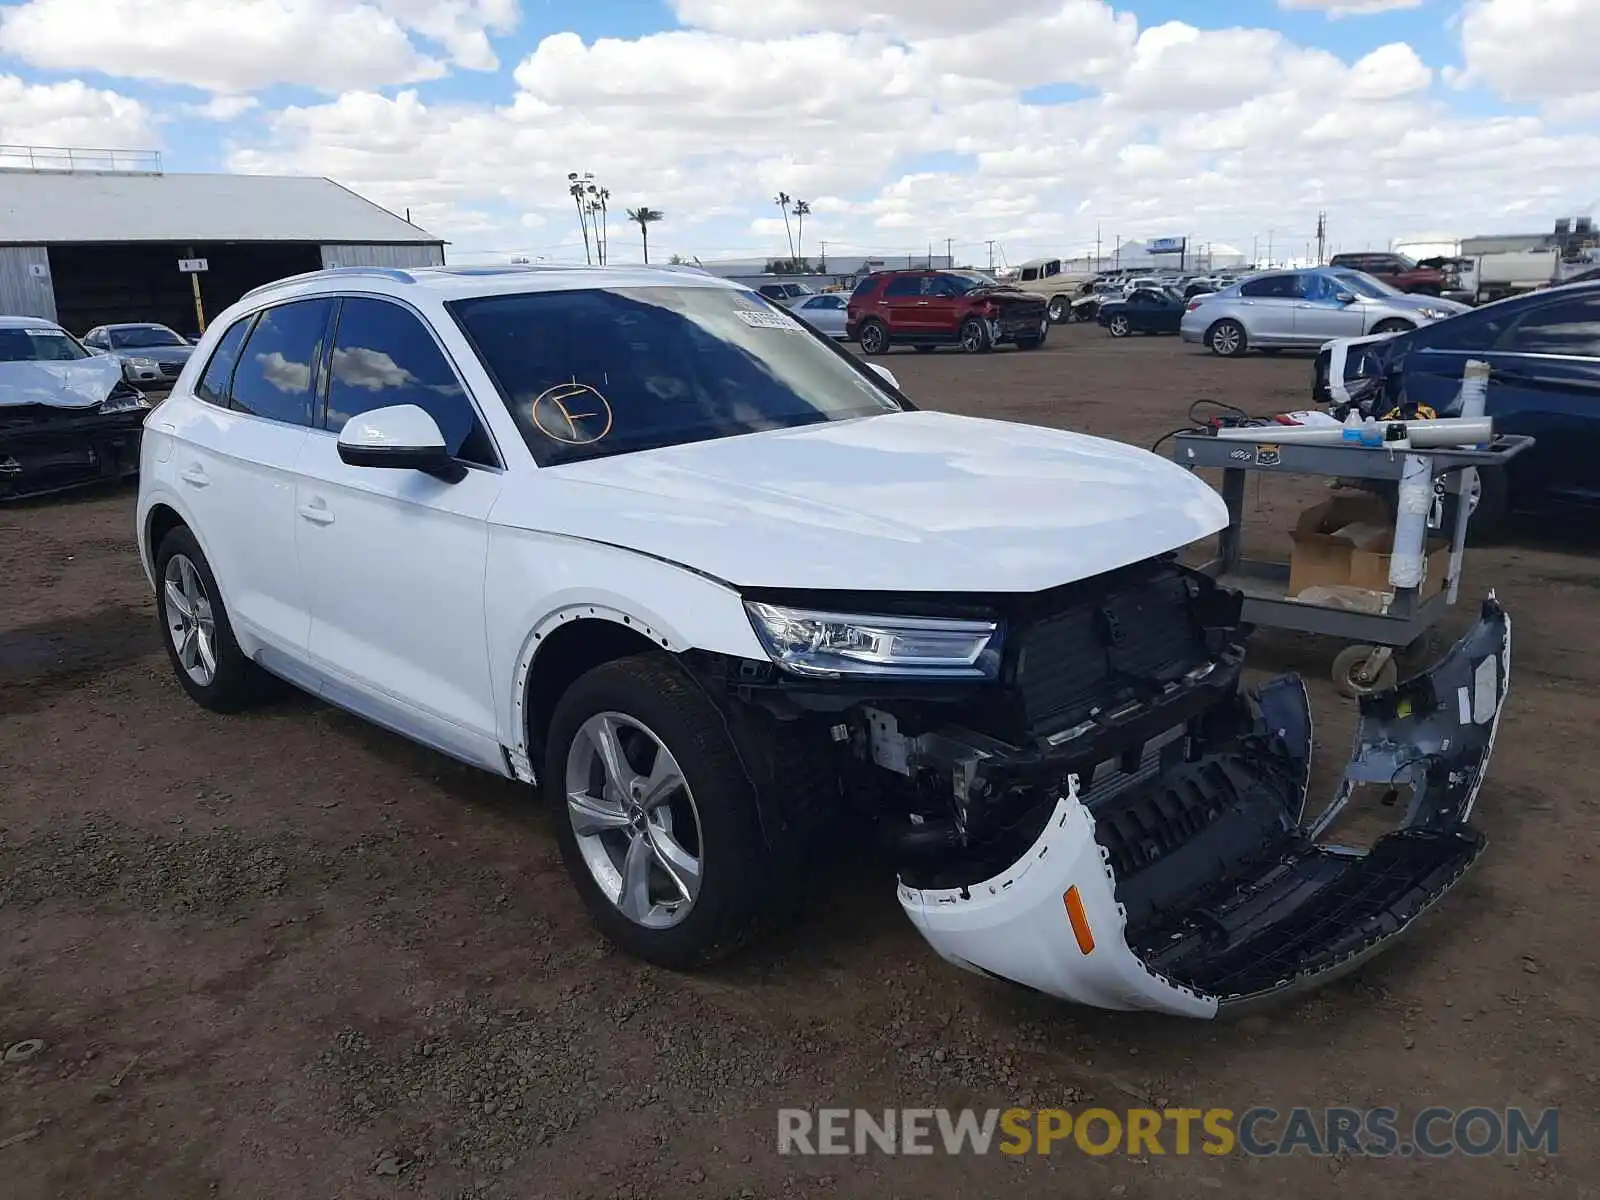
x: 86, y: 248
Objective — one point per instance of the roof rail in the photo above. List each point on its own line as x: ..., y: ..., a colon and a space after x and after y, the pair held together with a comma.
x: 393, y: 273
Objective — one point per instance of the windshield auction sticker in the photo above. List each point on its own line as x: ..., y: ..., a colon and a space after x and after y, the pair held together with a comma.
x: 572, y: 413
x: 767, y: 320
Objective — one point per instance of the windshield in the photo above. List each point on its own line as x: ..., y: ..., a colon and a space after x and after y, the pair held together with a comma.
x: 140, y: 337
x: 38, y: 345
x: 596, y: 372
x: 962, y: 282
x: 1365, y: 285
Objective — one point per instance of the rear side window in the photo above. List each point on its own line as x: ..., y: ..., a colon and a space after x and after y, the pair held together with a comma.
x: 281, y: 365
x: 865, y: 286
x: 904, y: 285
x: 1571, y: 327
x: 214, y: 384
x: 383, y: 356
x: 1278, y: 286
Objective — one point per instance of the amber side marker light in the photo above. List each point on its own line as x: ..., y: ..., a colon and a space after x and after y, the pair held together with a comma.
x: 1079, y: 919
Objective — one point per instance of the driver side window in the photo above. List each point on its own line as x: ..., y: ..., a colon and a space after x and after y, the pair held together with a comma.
x: 383, y: 356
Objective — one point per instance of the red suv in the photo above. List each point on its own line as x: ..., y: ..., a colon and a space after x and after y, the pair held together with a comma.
x: 926, y: 309
x: 1397, y: 271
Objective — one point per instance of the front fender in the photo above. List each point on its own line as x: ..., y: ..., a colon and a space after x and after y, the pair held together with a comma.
x: 534, y: 582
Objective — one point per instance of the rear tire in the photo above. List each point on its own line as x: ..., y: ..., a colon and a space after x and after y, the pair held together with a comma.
x: 873, y: 337
x: 1118, y: 326
x: 1227, y: 339
x: 195, y: 629
x: 648, y: 697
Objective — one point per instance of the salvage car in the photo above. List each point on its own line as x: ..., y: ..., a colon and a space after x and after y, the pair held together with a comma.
x: 928, y: 309
x: 1543, y: 350
x: 150, y: 354
x: 642, y: 540
x: 67, y: 417
x: 1143, y: 310
x: 1282, y: 309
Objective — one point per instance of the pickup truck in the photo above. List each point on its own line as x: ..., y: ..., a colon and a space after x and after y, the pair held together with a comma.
x: 1398, y: 271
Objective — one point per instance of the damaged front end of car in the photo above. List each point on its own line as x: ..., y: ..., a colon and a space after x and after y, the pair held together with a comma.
x: 47, y: 445
x: 1101, y: 811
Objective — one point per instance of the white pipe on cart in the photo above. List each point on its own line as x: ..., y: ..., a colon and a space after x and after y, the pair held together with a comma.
x: 1407, y: 561
x: 1474, y: 400
x: 1421, y: 435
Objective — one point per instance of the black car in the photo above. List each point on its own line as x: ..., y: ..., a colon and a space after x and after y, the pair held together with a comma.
x: 67, y: 417
x: 1543, y: 350
x: 1144, y: 310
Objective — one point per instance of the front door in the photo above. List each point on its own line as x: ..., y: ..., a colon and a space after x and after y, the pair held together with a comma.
x: 1319, y: 314
x: 1267, y: 305
x: 394, y: 559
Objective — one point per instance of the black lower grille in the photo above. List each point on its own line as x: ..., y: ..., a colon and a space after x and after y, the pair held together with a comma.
x: 1124, y: 644
x: 171, y: 370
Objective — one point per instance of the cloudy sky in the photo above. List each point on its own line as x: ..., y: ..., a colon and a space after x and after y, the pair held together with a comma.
x: 903, y: 122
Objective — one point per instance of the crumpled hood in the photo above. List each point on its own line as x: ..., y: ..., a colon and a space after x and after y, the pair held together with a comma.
x: 82, y: 383
x: 915, y: 501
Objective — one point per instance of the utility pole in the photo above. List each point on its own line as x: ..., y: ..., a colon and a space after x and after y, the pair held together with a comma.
x: 822, y: 265
x: 991, y: 256
x: 1322, y: 236
x: 1116, y: 256
x: 930, y: 256
x: 1270, y: 232
x: 1097, y: 244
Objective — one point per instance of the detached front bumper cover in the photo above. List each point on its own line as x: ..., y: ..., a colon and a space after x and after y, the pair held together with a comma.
x: 1206, y: 889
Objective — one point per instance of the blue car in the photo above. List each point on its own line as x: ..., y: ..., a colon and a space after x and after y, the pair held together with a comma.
x: 1543, y: 350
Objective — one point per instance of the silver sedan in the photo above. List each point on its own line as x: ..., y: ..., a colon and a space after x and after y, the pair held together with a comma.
x: 1307, y: 308
x: 825, y: 312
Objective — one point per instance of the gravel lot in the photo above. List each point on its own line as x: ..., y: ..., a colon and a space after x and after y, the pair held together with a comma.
x: 289, y: 955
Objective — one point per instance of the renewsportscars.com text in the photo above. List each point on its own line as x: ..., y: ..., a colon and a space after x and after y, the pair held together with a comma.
x: 1259, y: 1132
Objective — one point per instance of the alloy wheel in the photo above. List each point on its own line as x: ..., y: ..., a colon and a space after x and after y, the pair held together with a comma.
x: 1225, y: 340
x: 1119, y: 326
x: 189, y: 619
x: 635, y: 820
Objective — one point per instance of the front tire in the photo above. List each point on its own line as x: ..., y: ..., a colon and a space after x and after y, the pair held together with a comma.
x: 195, y: 629
x: 1227, y: 339
x: 655, y: 816
x: 973, y: 336
x: 1060, y: 309
x: 873, y: 337
x: 1118, y: 327
x: 1392, y: 325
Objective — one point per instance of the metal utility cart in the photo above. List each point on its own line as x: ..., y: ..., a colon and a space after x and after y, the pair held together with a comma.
x: 1367, y: 665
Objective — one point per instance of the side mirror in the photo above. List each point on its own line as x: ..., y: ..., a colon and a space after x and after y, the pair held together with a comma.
x: 402, y: 437
x: 1345, y: 297
x: 884, y: 374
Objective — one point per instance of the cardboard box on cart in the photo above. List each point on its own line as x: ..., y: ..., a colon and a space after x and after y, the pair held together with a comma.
x: 1348, y: 541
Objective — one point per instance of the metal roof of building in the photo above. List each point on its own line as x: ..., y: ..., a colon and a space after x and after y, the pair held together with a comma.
x: 60, y: 207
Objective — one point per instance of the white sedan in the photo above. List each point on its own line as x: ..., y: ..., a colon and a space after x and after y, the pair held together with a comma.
x: 824, y: 313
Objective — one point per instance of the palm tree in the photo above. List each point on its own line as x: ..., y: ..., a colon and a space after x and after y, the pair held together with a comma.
x: 644, y: 217
x: 578, y: 185
x: 801, y: 208
x: 782, y: 200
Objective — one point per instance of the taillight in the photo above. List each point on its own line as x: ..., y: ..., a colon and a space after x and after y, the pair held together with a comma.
x: 1194, y: 304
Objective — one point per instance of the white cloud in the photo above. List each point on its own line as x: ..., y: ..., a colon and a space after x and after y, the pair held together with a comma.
x: 71, y: 114
x: 902, y: 121
x: 232, y: 46
x: 1526, y: 51
x: 1350, y: 8
x: 222, y: 108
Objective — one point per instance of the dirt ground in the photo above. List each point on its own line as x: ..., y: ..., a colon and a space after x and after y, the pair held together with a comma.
x: 289, y: 955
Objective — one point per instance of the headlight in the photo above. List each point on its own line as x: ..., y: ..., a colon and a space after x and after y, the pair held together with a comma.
x: 834, y: 644
x: 121, y: 404
x: 1436, y: 314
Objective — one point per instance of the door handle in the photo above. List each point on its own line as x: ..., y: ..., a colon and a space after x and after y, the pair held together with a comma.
x: 317, y: 512
x: 194, y: 476
x: 922, y: 304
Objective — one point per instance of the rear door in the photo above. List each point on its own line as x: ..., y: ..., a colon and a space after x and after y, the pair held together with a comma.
x: 394, y: 559
x: 904, y: 304
x: 235, y: 455
x: 1267, y: 305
